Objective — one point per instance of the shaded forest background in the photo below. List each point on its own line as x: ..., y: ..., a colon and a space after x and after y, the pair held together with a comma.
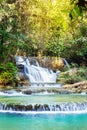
x: 42, y: 28
x: 49, y: 27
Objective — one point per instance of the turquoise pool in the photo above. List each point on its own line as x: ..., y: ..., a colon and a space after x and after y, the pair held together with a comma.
x: 43, y: 121
x: 10, y: 121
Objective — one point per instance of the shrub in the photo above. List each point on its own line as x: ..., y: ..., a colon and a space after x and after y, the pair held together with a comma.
x: 7, y: 73
x: 71, y: 77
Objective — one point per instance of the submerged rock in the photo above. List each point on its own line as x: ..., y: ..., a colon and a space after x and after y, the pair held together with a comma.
x: 64, y: 107
x: 47, y: 90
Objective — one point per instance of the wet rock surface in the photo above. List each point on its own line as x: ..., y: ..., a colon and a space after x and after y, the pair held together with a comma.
x: 77, y: 87
x: 47, y: 90
x: 45, y: 107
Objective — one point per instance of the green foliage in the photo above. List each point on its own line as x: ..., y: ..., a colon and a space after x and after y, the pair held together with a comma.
x: 9, y: 30
x: 78, y: 8
x: 32, y: 26
x: 43, y: 23
x: 70, y: 77
x: 73, y: 65
x: 75, y: 48
x: 55, y: 48
x: 80, y: 46
x: 7, y: 73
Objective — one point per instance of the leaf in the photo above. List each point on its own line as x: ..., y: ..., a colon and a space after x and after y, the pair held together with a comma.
x: 71, y: 14
x: 65, y: 10
x: 78, y: 11
x: 72, y: 1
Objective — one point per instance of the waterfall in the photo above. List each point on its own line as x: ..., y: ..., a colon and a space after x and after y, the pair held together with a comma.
x: 59, y: 107
x: 66, y: 63
x: 34, y: 72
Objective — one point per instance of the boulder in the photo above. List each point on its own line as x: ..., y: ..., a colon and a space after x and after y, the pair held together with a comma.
x: 77, y: 87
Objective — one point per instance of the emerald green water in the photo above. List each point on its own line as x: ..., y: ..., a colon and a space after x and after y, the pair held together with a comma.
x: 30, y: 99
x: 43, y: 121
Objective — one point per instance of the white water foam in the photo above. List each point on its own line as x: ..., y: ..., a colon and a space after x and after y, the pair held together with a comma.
x: 46, y: 85
x: 36, y: 73
x: 12, y: 93
x: 44, y: 112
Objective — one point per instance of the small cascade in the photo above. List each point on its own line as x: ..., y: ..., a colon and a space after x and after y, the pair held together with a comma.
x: 66, y: 63
x: 60, y: 107
x: 34, y: 72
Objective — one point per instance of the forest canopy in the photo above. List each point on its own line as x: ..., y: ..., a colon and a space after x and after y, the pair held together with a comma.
x: 46, y: 27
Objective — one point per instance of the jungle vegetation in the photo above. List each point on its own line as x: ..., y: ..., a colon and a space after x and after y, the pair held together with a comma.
x: 46, y: 27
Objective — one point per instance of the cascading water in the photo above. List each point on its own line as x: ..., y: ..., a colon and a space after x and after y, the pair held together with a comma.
x: 66, y: 63
x: 43, y: 103
x: 35, y: 73
x: 22, y: 102
x: 59, y: 107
